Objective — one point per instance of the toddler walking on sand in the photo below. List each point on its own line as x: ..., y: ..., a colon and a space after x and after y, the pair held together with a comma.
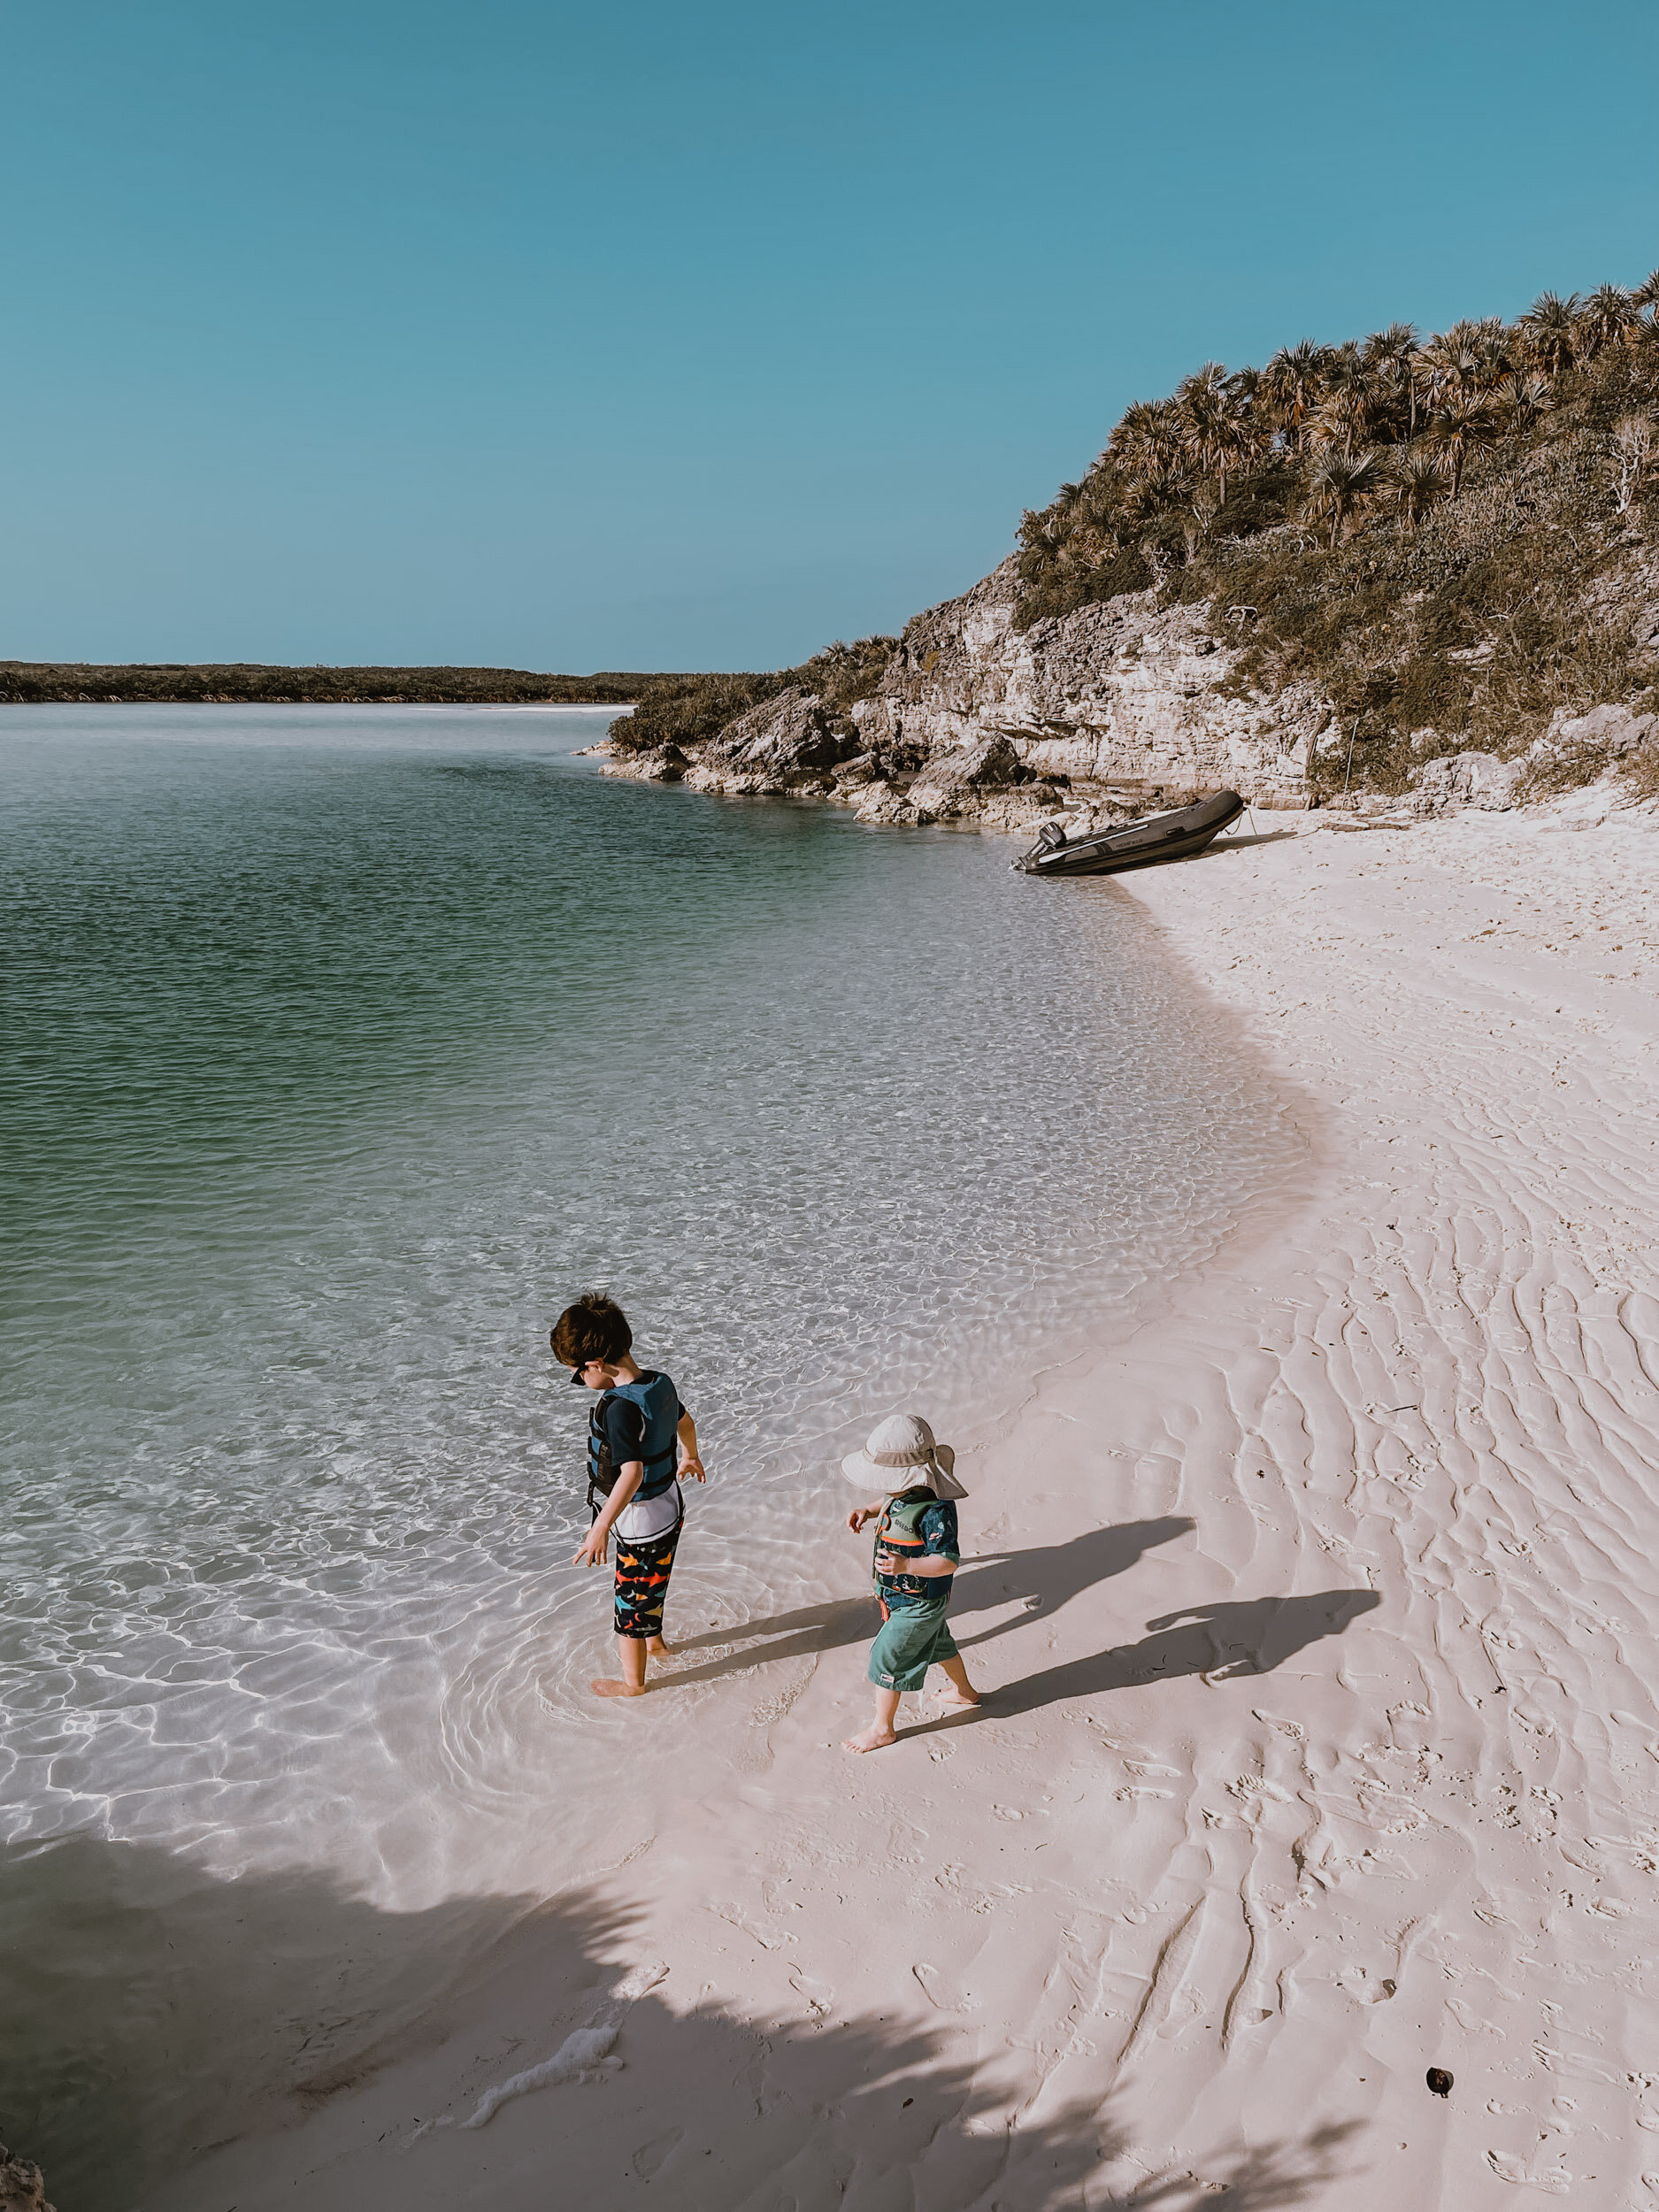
x: 916, y: 1556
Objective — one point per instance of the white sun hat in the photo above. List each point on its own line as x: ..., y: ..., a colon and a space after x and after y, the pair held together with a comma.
x: 900, y: 1454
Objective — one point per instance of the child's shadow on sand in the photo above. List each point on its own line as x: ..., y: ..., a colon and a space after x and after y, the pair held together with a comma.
x: 1249, y: 1636
x: 1051, y: 1574
x: 1246, y: 1636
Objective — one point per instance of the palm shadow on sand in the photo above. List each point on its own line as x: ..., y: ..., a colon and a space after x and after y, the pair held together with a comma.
x: 151, y: 2013
x: 1051, y: 1574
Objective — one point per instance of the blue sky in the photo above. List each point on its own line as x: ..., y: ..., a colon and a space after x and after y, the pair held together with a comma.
x: 694, y: 336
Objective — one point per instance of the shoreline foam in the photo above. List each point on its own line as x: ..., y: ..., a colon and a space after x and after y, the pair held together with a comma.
x: 1327, y: 1752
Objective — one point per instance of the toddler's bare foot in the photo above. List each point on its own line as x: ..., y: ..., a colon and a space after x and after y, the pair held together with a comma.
x: 660, y: 1648
x: 609, y: 1688
x: 872, y: 1740
x: 958, y: 1701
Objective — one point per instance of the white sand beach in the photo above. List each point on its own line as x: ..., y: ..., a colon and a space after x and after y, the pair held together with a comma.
x: 1320, y: 1626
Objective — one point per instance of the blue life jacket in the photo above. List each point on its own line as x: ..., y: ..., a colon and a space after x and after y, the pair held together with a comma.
x: 658, y: 1400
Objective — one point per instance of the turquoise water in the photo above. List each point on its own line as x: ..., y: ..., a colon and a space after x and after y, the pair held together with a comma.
x: 345, y: 1045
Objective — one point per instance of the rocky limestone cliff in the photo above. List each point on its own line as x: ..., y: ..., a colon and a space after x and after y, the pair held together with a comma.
x: 22, y: 2188
x: 1122, y: 695
x: 1105, y: 710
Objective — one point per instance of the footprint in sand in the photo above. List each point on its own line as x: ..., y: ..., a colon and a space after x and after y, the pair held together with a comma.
x: 1555, y: 2181
x: 1293, y: 1729
x: 1366, y: 1987
x: 648, y: 2159
x: 939, y: 1992
x: 816, y: 1996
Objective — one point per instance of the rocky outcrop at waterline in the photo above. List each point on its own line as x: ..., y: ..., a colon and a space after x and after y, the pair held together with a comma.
x: 1114, y: 709
x: 1104, y: 712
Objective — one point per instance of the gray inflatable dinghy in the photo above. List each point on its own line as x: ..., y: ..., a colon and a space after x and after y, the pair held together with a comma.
x: 1176, y: 836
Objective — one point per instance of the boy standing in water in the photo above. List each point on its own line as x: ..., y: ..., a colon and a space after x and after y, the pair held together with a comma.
x: 640, y: 1443
x: 916, y: 1556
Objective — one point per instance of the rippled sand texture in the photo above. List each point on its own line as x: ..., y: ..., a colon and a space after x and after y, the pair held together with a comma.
x: 1319, y: 1618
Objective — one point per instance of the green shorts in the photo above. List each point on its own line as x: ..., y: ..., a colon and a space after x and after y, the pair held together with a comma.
x: 910, y: 1640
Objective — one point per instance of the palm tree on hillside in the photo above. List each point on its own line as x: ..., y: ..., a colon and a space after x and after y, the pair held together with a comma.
x: 1148, y: 497
x: 1218, y: 430
x: 1418, y: 481
x: 1291, y: 385
x: 1388, y: 355
x: 1147, y: 439
x: 1495, y: 346
x: 1464, y: 361
x: 1549, y: 330
x: 1200, y: 401
x: 1522, y: 399
x: 1337, y: 485
x: 1456, y: 427
x: 1388, y: 414
x: 1351, y: 394
x: 1604, y: 318
x: 1250, y: 414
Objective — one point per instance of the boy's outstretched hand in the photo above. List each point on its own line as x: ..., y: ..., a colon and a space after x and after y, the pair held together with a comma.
x: 692, y: 1466
x: 593, y: 1552
x: 859, y: 1515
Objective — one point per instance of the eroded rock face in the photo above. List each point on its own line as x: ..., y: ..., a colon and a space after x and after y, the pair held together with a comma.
x: 966, y: 772
x: 1459, y: 779
x: 1616, y: 731
x: 784, y: 744
x: 21, y: 2186
x: 668, y: 766
x: 1123, y: 693
x: 973, y: 720
x: 1605, y: 736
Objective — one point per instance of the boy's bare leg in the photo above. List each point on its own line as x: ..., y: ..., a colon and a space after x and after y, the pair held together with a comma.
x: 882, y: 1733
x: 963, y: 1692
x: 631, y: 1657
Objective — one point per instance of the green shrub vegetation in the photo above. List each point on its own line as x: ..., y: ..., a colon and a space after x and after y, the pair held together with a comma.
x: 1438, y: 533
x: 240, y: 683
x: 683, y: 711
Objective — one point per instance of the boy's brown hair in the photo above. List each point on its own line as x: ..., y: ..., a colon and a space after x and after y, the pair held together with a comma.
x: 595, y: 1327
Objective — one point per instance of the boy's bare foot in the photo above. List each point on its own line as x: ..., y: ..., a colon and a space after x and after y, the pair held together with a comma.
x: 661, y: 1648
x: 954, y: 1702
x: 872, y: 1740
x: 611, y: 1687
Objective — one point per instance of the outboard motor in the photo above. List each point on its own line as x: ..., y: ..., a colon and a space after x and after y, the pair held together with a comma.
x: 1050, y: 837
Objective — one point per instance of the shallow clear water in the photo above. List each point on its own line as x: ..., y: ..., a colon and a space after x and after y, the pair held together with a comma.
x: 345, y: 1045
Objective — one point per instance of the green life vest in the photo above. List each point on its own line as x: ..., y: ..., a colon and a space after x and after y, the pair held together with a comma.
x: 897, y: 1529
